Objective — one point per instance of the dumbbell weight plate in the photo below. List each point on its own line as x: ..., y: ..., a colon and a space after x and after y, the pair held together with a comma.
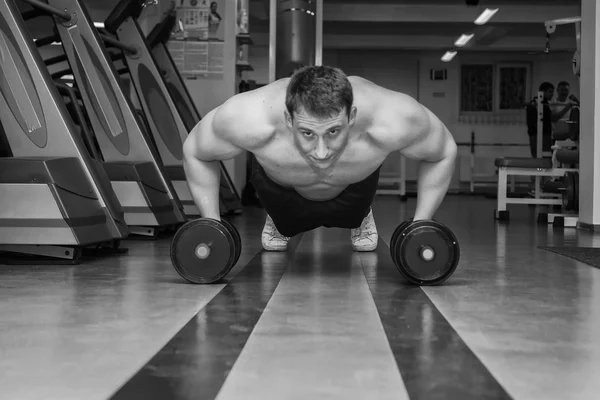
x: 237, y: 238
x: 203, y: 250
x: 568, y: 197
x: 397, y: 233
x: 425, y: 252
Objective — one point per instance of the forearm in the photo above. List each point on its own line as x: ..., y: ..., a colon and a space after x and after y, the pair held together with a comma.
x: 203, y: 179
x: 432, y: 185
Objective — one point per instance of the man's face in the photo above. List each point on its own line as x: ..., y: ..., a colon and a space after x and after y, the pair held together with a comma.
x: 549, y: 94
x: 563, y: 92
x: 321, y: 140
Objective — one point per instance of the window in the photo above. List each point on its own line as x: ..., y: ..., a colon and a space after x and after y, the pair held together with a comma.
x: 512, y: 86
x: 476, y: 88
x: 494, y: 91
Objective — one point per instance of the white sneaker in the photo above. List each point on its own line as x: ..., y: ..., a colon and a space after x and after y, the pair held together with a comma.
x: 271, y: 239
x: 365, y: 238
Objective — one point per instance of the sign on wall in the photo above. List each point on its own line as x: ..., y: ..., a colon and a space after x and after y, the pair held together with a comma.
x: 197, y: 42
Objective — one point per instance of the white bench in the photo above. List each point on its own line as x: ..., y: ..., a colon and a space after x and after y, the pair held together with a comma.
x: 521, y: 166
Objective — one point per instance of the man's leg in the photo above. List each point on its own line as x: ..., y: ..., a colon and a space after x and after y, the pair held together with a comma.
x: 287, y: 212
x: 365, y: 237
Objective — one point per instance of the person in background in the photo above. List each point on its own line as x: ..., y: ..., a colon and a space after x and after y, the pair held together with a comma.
x: 532, y: 120
x: 561, y: 107
x: 553, y: 112
x: 214, y: 17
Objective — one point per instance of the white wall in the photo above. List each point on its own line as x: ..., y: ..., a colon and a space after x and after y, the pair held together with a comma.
x: 408, y: 72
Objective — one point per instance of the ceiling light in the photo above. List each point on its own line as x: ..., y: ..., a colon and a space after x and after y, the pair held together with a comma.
x: 463, y: 40
x: 485, y: 16
x: 448, y: 56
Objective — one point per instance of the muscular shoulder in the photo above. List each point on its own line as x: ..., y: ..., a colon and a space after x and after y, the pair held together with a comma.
x: 244, y: 119
x: 394, y: 118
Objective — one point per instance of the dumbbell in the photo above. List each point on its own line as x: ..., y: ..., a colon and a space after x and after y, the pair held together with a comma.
x: 204, y: 250
x: 568, y: 187
x: 426, y: 252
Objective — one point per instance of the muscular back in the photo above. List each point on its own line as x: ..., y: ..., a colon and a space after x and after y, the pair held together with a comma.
x: 255, y: 121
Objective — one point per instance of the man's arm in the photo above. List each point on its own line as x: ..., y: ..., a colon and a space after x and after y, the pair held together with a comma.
x: 208, y: 143
x: 555, y: 116
x: 422, y: 136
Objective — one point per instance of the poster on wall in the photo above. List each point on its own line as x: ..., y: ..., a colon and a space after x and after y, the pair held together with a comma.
x: 197, y: 42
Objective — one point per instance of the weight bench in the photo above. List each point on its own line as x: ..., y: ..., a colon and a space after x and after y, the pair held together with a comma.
x: 521, y: 166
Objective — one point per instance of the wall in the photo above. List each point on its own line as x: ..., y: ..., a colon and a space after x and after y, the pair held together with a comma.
x: 408, y: 72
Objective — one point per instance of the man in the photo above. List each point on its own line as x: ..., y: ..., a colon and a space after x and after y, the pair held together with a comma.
x: 561, y: 107
x: 319, y: 138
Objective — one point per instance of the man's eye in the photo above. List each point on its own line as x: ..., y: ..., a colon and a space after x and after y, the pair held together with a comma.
x: 307, y: 133
x: 333, y: 131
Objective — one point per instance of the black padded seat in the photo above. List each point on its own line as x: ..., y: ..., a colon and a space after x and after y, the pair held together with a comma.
x: 175, y: 172
x: 523, y: 162
x: 566, y: 156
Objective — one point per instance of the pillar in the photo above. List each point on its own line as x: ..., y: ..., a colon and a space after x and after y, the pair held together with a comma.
x: 296, y: 33
x: 295, y: 36
x: 589, y: 142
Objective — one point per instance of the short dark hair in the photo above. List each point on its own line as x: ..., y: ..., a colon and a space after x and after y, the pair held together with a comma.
x: 320, y: 91
x: 563, y: 84
x: 546, y: 86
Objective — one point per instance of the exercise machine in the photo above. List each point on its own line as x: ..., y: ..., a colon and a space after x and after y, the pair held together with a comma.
x: 134, y: 168
x: 541, y: 167
x: 162, y: 102
x: 55, y: 198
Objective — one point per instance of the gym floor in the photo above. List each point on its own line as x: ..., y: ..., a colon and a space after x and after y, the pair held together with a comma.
x: 316, y: 322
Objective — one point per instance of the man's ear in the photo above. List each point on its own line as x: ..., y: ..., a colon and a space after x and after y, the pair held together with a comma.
x: 352, y: 116
x: 288, y: 119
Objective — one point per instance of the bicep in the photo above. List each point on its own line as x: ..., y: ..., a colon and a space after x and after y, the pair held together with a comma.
x: 209, y: 140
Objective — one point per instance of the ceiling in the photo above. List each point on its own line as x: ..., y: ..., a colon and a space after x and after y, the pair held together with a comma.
x: 435, y: 24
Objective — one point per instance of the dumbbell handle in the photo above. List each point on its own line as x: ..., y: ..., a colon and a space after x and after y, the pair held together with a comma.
x: 426, y: 253
x: 203, y: 251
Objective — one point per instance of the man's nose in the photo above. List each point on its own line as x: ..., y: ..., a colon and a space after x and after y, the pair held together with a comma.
x: 321, y: 150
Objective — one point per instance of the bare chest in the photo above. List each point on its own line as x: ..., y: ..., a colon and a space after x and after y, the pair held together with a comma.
x: 285, y: 165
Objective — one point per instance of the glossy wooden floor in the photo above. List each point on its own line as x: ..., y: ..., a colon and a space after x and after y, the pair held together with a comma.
x: 318, y: 321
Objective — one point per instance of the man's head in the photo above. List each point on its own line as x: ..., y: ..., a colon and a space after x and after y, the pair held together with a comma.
x: 320, y: 112
x: 548, y: 90
x: 563, y: 89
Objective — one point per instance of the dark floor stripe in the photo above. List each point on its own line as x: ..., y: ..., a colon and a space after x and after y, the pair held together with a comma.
x: 196, y: 362
x: 433, y: 360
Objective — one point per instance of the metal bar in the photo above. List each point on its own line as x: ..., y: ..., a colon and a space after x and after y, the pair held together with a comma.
x: 469, y: 144
x: 115, y: 43
x: 47, y: 40
x: 49, y: 9
x: 30, y: 14
x: 59, y: 74
x: 319, y: 34
x: 56, y: 59
x: 272, y: 38
x: 87, y: 135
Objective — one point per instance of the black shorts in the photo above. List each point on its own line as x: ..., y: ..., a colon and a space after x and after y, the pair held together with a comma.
x: 294, y: 214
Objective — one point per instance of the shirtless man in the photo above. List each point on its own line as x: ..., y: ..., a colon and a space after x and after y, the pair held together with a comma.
x: 320, y: 138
